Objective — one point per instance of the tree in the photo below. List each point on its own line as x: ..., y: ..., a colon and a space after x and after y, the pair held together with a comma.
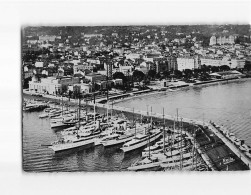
x: 188, y: 73
x: 158, y: 75
x: 76, y: 91
x: 119, y: 75
x: 166, y: 74
x: 151, y: 73
x: 224, y: 68
x: 26, y: 82
x: 204, y: 68
x: 70, y: 94
x: 204, y: 76
x: 215, y: 69
x: 64, y: 89
x: 178, y: 74
x: 247, y: 66
x: 138, y: 76
x: 237, y: 40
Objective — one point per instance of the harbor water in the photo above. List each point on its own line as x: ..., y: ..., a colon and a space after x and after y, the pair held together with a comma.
x: 39, y: 158
x: 227, y: 104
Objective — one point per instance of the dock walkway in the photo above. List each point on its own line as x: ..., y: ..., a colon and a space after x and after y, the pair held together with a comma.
x: 237, y: 152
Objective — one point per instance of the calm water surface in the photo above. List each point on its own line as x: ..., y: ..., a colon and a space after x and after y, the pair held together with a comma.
x: 37, y: 132
x: 226, y: 104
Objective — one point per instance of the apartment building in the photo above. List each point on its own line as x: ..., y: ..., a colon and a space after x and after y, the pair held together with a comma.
x: 51, y: 85
x: 185, y: 63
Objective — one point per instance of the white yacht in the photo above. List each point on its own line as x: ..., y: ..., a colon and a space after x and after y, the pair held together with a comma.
x: 75, y: 141
x: 117, y: 139
x: 169, y: 151
x: 61, y: 118
x: 158, y: 147
x: 141, y: 140
x: 155, y: 161
x: 57, y: 125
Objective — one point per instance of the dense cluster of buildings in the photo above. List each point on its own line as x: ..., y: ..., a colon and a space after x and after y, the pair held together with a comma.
x: 96, y: 57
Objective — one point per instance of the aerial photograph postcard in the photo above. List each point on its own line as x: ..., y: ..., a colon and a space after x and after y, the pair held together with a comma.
x: 130, y: 98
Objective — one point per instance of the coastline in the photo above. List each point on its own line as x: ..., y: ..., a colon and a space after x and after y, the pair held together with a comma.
x: 207, y: 83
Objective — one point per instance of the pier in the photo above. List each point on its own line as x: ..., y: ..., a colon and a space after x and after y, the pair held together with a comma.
x: 237, y: 152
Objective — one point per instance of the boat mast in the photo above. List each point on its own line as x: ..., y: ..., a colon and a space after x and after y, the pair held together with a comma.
x: 112, y: 109
x: 135, y: 125
x: 133, y: 120
x: 177, y: 116
x: 78, y: 114
x: 172, y: 135
x: 94, y: 104
x: 149, y: 133
x: 195, y: 158
x: 62, y: 106
x: 151, y: 119
x: 164, y: 132
x: 181, y: 126
x: 86, y: 107
x: 180, y: 143
x: 107, y: 98
x: 76, y: 111
x: 193, y: 144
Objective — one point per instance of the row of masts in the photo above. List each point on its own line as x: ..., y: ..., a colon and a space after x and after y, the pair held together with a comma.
x: 179, y: 126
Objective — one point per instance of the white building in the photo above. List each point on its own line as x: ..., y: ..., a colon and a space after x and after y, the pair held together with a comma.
x: 126, y: 69
x: 32, y: 42
x: 117, y: 82
x: 210, y: 62
x: 228, y: 40
x: 185, y: 63
x: 91, y: 35
x: 237, y: 63
x: 84, y: 87
x: 93, y: 61
x: 47, y: 38
x: 232, y: 63
x: 95, y: 77
x: 51, y: 85
x: 221, y: 40
x: 133, y: 56
x: 39, y: 64
x: 84, y: 66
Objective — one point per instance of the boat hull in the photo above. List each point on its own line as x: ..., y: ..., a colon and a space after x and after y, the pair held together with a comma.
x: 69, y: 146
x: 141, y: 144
x: 155, y: 164
x: 116, y: 142
x: 58, y: 125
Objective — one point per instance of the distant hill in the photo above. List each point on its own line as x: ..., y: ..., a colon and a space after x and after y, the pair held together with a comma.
x: 205, y: 30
